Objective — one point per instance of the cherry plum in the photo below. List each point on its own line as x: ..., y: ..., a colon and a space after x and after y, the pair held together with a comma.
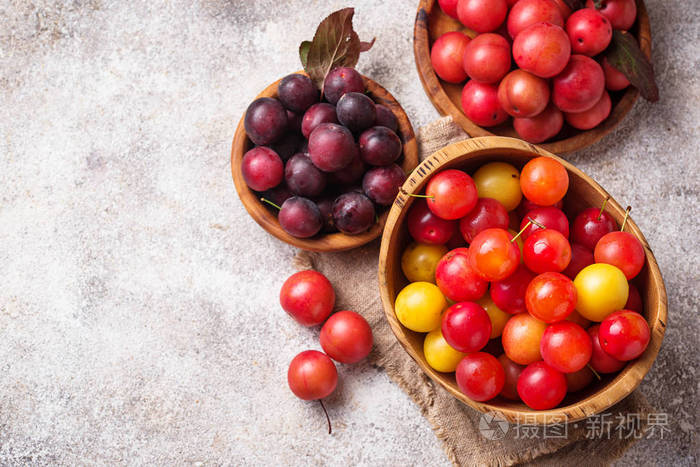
x: 486, y: 214
x: 346, y: 337
x: 509, y: 294
x: 482, y: 15
x: 579, y: 86
x: 546, y: 250
x: 623, y: 250
x: 551, y: 297
x: 542, y: 49
x: 265, y: 121
x: 446, y: 56
x: 353, y: 213
x: 379, y: 145
x: 487, y: 58
x: 480, y: 104
x: 590, y: 225
x: 566, y: 347
x: 297, y: 92
x: 308, y: 297
x: 528, y: 12
x: 457, y: 279
x: 600, y: 360
x: 614, y: 80
x: 590, y: 32
x: 356, y: 111
x: 262, y: 168
x: 624, y: 335
x: 493, y: 254
x: 592, y: 117
x: 381, y: 184
x: 426, y: 227
x: 480, y: 375
x: 342, y: 80
x: 521, y: 338
x: 312, y: 375
x: 316, y: 115
x: 541, y: 387
x: 451, y: 194
x: 466, y: 327
x: 331, y: 147
x: 522, y: 94
x: 541, y: 127
x: 620, y: 13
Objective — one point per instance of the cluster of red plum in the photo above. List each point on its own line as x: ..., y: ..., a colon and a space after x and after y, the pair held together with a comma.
x: 555, y: 78
x: 346, y: 337
x: 324, y: 165
x: 539, y: 289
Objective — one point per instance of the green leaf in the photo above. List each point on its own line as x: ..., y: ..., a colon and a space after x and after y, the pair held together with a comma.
x: 335, y: 44
x: 625, y: 55
x: 575, y: 4
x: 598, y: 4
x: 304, y: 52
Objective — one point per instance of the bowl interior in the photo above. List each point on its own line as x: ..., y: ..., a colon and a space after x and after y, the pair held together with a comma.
x: 583, y: 192
x: 337, y: 241
x: 431, y: 23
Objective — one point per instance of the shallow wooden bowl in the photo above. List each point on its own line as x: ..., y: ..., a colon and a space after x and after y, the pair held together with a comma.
x: 431, y: 23
x: 320, y: 242
x: 583, y: 192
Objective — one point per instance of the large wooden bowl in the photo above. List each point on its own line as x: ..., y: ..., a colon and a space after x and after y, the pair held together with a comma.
x: 321, y: 242
x: 431, y: 23
x: 583, y: 192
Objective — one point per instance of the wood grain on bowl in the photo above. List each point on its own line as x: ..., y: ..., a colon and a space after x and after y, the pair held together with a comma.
x: 321, y: 242
x: 431, y: 23
x: 583, y: 192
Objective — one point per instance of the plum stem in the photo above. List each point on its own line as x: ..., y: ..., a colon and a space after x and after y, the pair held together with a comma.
x: 330, y: 431
x: 265, y: 200
x: 602, y: 208
x: 594, y: 372
x: 627, y: 215
x: 530, y: 221
x: 421, y: 196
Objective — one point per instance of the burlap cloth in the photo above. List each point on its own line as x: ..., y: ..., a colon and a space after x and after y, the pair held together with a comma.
x: 354, y: 277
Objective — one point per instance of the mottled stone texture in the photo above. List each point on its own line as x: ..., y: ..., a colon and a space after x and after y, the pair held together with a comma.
x: 139, y: 320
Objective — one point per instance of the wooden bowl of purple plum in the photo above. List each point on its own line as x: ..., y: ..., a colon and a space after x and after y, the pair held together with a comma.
x: 319, y: 169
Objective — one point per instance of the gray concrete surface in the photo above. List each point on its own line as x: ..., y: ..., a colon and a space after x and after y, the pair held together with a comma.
x: 139, y: 320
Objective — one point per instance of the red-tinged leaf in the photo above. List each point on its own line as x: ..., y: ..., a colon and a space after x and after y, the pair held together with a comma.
x: 335, y: 44
x: 304, y: 52
x: 365, y: 46
x: 575, y: 4
x: 625, y: 55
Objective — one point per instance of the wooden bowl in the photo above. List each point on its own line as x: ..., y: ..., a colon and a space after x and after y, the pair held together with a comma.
x: 321, y: 242
x: 431, y: 23
x: 583, y: 192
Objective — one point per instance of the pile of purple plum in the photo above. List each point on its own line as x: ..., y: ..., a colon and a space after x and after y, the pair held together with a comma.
x: 326, y: 164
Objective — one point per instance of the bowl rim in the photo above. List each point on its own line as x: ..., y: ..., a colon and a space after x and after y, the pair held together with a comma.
x: 331, y: 242
x: 435, y: 91
x: 623, y: 383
